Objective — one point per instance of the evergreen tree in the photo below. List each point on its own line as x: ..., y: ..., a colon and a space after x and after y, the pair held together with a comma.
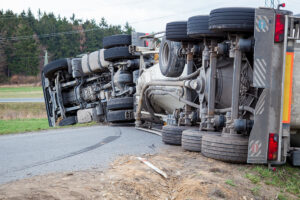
x: 128, y: 29
x: 61, y: 37
x: 25, y: 54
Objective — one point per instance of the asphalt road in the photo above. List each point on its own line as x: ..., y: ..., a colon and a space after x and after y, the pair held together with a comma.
x: 72, y: 149
x: 21, y: 100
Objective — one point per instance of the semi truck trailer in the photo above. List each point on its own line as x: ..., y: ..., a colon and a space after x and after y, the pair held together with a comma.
x: 223, y: 84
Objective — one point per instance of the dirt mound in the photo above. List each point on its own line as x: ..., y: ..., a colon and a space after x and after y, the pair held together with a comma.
x: 190, y: 176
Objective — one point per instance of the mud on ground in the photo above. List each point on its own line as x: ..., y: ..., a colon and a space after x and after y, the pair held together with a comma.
x: 190, y: 176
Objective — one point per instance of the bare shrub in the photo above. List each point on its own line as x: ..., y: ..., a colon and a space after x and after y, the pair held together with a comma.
x: 20, y: 79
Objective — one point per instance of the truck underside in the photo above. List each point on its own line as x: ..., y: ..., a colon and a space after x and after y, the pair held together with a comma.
x: 225, y: 84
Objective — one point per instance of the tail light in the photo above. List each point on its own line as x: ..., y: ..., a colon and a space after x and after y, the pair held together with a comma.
x: 279, y: 28
x: 273, y: 146
x: 147, y: 42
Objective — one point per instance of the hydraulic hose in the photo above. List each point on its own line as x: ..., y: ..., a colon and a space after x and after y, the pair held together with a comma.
x: 192, y: 75
x: 246, y: 108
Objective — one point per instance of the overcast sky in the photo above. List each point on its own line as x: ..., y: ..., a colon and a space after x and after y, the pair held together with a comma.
x: 144, y: 16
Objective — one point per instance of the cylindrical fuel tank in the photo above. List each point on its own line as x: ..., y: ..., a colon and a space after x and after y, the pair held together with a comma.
x: 94, y: 62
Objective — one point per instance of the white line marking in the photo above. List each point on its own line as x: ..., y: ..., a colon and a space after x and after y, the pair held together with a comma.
x: 258, y: 68
x: 257, y: 29
x: 258, y: 153
x: 263, y: 60
x: 258, y: 83
x: 258, y: 75
x: 263, y: 66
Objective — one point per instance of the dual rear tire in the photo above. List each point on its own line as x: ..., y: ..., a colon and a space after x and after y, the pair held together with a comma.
x: 224, y: 147
x: 232, y: 20
x: 172, y: 134
x: 216, y: 25
x: 233, y: 149
x: 116, y: 48
x: 120, y: 110
x: 192, y: 139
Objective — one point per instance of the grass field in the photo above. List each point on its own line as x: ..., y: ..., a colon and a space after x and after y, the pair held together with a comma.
x: 22, y: 125
x: 22, y: 111
x: 25, y: 117
x: 286, y: 178
x: 29, y: 125
x: 21, y: 92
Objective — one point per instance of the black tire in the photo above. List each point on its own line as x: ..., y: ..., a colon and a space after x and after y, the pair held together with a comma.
x: 68, y: 121
x: 197, y: 27
x: 117, y: 53
x: 117, y: 116
x: 57, y: 65
x: 120, y: 103
x: 116, y: 40
x: 192, y: 139
x: 177, y: 31
x: 172, y: 134
x: 232, y: 149
x: 232, y: 19
x: 171, y: 65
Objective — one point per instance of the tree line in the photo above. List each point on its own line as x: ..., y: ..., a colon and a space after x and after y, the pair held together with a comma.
x: 24, y: 39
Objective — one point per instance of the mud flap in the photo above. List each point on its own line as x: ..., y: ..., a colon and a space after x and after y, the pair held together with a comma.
x: 267, y: 76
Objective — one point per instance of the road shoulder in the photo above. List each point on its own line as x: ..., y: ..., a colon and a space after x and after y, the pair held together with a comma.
x: 190, y: 176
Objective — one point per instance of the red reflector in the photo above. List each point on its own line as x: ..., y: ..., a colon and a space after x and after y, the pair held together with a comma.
x: 279, y: 28
x: 147, y: 42
x: 283, y: 5
x: 273, y: 146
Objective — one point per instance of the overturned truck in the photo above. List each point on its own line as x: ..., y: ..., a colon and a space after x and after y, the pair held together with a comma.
x: 224, y: 84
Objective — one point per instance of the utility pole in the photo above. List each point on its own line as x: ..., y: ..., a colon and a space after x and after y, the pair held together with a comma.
x: 46, y: 58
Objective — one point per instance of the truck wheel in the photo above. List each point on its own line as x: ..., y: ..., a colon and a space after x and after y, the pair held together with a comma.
x: 117, y: 53
x: 68, y: 121
x: 50, y: 69
x: 120, y: 116
x: 232, y: 149
x: 171, y: 65
x: 192, y: 139
x: 120, y: 103
x: 197, y: 27
x: 172, y: 134
x: 116, y: 40
x: 177, y: 31
x: 232, y: 19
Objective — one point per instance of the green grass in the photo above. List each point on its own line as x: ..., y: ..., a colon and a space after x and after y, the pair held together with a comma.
x: 282, y: 197
x: 230, y: 182
x: 29, y: 125
x: 22, y: 125
x: 253, y: 178
x: 21, y: 92
x: 255, y: 190
x: 286, y: 177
